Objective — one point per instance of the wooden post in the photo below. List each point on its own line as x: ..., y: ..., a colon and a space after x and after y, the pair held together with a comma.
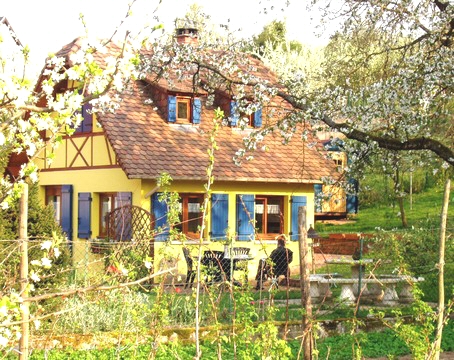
x: 24, y: 309
x: 441, y: 267
x: 305, y: 260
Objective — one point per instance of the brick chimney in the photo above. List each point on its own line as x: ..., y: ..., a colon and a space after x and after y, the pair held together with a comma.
x: 187, y: 33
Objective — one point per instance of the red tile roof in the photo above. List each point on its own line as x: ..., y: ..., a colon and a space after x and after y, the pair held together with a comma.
x: 147, y: 145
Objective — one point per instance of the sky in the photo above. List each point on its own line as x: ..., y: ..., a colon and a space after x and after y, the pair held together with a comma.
x: 46, y: 25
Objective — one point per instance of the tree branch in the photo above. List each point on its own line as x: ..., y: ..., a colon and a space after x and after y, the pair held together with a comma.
x: 384, y: 142
x: 98, y: 287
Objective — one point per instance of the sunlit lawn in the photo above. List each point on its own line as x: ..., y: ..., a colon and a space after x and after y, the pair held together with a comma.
x: 425, y: 212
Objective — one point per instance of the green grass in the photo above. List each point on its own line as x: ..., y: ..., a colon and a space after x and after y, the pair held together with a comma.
x: 372, y: 344
x: 425, y: 211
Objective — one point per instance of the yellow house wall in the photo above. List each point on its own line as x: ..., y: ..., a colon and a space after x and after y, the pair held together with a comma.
x: 94, y: 181
x: 260, y: 248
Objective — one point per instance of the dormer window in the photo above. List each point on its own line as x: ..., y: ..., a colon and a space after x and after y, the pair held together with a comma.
x: 184, y: 109
x: 86, y: 126
x: 254, y: 119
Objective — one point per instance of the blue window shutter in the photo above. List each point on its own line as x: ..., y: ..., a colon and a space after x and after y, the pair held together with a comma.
x: 245, y: 212
x: 318, y: 191
x: 87, y: 123
x: 172, y: 107
x: 196, y: 111
x: 84, y: 216
x: 124, y: 225
x: 219, y: 216
x: 297, y: 201
x: 234, y: 113
x: 258, y: 118
x: 67, y: 210
x: 159, y: 209
x: 352, y: 199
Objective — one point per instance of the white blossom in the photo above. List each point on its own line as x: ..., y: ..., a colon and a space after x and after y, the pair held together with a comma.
x: 34, y: 277
x: 47, y: 263
x: 46, y: 245
x: 3, y: 341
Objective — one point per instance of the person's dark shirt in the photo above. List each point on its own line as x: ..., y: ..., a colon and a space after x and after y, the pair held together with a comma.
x: 281, y: 257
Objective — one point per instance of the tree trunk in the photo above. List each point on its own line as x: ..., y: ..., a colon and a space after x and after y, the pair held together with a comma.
x: 24, y: 309
x: 403, y: 216
x: 400, y: 198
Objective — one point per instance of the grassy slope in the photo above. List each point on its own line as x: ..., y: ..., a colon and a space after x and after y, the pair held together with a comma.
x: 426, y: 209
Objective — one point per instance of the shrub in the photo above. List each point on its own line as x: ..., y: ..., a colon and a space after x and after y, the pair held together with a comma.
x: 115, y: 310
x: 41, y: 225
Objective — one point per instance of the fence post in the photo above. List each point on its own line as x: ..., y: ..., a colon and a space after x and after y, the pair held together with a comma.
x: 24, y: 309
x: 441, y: 266
x: 305, y: 259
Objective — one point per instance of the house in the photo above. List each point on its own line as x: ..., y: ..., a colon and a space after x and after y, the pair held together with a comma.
x: 336, y: 201
x: 114, y: 160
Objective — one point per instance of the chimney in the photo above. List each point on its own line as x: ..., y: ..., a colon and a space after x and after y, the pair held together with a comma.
x: 187, y: 33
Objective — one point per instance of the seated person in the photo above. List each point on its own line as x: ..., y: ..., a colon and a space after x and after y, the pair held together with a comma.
x: 276, y: 265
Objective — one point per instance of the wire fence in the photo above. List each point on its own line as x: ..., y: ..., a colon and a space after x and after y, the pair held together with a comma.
x: 101, y: 286
x: 88, y: 262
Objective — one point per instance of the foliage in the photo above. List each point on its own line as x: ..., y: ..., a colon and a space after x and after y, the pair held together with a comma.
x: 405, y: 96
x: 400, y: 252
x: 127, y: 262
x: 275, y: 34
x: 340, y: 347
x: 376, y: 189
x: 116, y: 310
x: 373, y: 344
x: 41, y: 226
x: 41, y: 219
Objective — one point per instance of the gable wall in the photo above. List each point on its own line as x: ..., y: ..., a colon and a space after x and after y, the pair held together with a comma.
x: 80, y: 151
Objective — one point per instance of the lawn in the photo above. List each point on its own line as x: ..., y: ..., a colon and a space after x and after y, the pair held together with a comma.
x: 425, y: 212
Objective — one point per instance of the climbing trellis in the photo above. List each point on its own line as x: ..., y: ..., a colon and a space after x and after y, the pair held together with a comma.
x: 131, y: 229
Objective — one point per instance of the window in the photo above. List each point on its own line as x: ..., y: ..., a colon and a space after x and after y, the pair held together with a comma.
x: 60, y: 198
x: 86, y: 126
x: 190, y: 214
x: 184, y: 109
x: 269, y: 215
x: 260, y: 215
x: 253, y: 119
x: 107, y: 203
x: 339, y: 164
x: 53, y: 198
